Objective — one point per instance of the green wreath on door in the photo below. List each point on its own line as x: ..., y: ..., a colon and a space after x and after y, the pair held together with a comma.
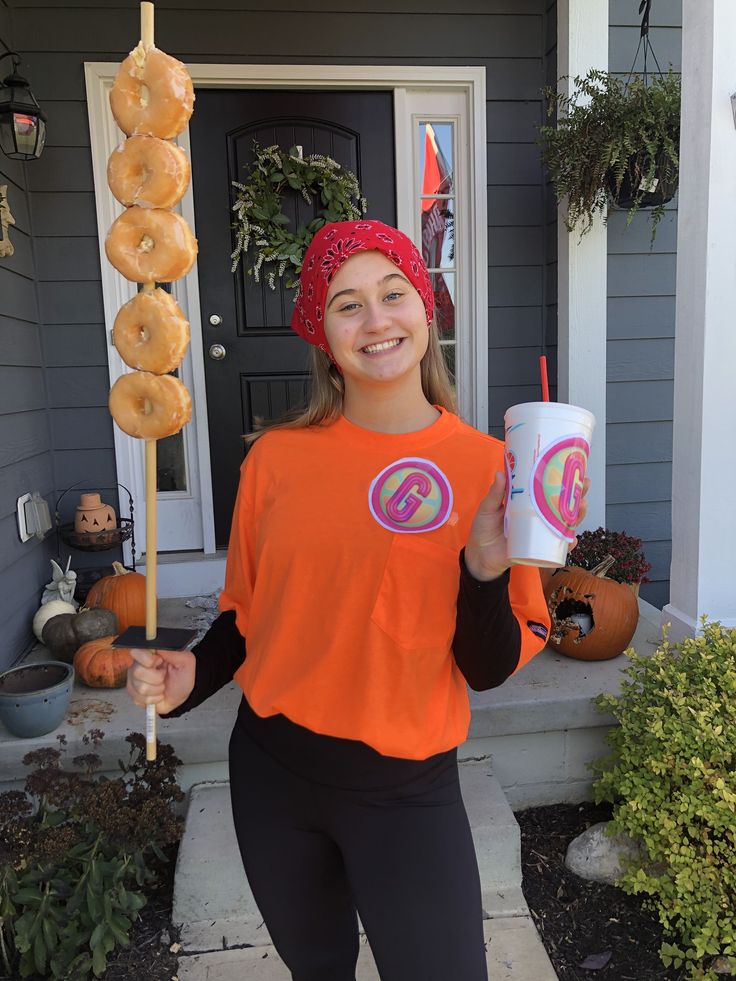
x: 262, y: 229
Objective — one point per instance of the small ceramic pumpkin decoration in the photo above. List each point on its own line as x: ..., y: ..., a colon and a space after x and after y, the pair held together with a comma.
x: 94, y: 516
x: 124, y: 593
x: 593, y: 618
x: 99, y: 665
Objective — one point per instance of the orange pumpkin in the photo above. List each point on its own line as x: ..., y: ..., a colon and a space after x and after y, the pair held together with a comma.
x: 124, y: 593
x: 98, y: 665
x: 593, y: 618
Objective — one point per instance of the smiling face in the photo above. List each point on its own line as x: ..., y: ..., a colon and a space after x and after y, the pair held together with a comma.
x: 375, y: 321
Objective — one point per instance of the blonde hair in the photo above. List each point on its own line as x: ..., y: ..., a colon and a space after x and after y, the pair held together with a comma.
x: 328, y: 390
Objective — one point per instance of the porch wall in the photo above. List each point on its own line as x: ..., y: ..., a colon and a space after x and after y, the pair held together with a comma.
x: 641, y: 331
x: 63, y: 366
x: 505, y: 36
x: 25, y: 456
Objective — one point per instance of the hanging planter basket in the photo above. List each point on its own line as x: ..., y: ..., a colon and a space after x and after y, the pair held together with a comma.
x: 614, y: 143
x: 632, y: 194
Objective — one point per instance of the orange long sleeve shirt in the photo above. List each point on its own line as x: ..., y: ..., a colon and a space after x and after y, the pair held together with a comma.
x: 343, y: 575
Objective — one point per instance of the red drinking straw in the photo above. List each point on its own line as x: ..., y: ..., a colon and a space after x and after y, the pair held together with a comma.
x: 543, y: 373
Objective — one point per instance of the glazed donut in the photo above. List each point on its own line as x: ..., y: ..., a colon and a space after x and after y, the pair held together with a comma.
x: 149, y: 172
x: 152, y: 94
x: 150, y: 406
x: 151, y: 333
x: 150, y: 245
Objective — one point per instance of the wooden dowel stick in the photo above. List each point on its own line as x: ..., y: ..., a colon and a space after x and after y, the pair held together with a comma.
x: 151, y: 618
x: 147, y: 23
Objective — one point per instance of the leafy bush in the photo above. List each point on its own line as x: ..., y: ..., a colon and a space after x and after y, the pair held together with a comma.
x: 611, y: 137
x: 594, y: 546
x: 672, y: 781
x: 77, y: 854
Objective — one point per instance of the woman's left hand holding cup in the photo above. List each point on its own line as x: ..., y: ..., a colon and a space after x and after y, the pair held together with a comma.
x: 485, y: 552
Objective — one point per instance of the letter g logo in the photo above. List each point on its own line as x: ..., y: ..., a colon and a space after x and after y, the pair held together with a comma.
x: 410, y: 495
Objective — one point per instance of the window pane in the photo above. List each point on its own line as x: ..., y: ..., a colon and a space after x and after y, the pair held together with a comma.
x: 436, y: 163
x: 171, y: 470
x: 438, y: 233
x: 443, y: 285
x: 171, y: 461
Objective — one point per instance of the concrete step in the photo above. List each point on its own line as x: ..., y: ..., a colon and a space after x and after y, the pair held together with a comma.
x: 215, y: 906
x: 514, y: 953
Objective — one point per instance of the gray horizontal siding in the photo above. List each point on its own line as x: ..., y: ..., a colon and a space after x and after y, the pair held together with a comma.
x: 629, y: 483
x: 641, y: 328
x: 470, y: 7
x: 506, y: 37
x: 26, y: 463
x: 240, y: 34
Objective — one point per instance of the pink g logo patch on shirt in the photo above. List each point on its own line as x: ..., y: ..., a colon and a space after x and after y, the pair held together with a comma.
x: 410, y: 495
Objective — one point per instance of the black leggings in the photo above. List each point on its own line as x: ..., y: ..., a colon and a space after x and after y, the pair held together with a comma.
x: 403, y: 857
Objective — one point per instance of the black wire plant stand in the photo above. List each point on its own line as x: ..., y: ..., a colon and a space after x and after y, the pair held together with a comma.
x: 96, y: 541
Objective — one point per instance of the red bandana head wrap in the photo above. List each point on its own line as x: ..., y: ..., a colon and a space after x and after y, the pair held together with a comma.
x: 330, y: 248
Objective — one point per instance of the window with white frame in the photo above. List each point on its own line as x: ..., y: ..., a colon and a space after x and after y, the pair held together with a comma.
x: 436, y: 144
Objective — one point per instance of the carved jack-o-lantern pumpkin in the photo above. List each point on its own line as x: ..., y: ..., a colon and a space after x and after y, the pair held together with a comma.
x: 92, y: 516
x: 593, y: 618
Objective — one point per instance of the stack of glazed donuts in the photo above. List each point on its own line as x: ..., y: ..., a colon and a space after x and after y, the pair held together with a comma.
x: 152, y: 100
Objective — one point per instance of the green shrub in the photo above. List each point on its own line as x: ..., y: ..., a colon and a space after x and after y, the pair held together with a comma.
x: 672, y: 780
x: 77, y: 854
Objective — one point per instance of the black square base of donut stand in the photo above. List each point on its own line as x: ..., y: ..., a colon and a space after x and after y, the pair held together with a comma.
x: 166, y: 639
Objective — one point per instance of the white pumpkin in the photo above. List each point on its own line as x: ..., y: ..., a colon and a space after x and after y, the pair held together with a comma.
x: 46, y: 611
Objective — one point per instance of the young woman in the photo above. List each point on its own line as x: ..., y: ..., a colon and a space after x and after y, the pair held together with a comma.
x: 366, y: 586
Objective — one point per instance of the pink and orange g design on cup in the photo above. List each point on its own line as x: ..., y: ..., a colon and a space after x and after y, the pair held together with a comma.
x: 547, y: 450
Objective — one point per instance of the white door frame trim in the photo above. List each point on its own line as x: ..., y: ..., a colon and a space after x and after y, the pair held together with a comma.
x: 105, y: 136
x: 582, y: 264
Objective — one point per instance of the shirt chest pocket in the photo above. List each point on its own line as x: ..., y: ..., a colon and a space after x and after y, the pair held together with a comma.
x: 416, y: 602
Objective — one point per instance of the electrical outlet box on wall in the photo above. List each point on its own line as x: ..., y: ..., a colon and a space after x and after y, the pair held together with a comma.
x: 33, y: 515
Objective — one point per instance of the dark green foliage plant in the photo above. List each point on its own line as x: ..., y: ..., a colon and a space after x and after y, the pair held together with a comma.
x: 671, y: 777
x: 611, y: 142
x: 78, y: 854
x: 262, y: 229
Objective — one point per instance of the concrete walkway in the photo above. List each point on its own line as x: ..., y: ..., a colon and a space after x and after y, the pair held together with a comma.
x: 514, y: 953
x: 214, y: 904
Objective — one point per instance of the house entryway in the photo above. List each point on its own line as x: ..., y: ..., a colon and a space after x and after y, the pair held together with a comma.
x: 255, y: 366
x: 379, y: 120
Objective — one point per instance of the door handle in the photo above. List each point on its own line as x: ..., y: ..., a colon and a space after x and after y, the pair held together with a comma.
x: 217, y: 352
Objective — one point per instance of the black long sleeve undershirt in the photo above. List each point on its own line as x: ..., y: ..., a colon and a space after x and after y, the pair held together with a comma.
x: 486, y: 646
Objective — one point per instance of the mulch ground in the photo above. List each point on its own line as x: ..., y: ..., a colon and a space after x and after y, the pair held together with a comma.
x: 591, y: 931
x: 149, y: 957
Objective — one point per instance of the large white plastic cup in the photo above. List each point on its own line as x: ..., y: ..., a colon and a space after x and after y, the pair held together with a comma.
x: 547, y: 449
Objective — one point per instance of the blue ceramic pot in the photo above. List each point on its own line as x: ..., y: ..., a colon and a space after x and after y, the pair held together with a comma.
x: 34, y: 697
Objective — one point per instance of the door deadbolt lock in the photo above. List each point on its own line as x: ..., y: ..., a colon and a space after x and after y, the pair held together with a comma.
x: 217, y: 352
x: 215, y: 319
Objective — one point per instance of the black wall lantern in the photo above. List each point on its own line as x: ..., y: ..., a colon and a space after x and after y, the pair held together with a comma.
x: 22, y: 123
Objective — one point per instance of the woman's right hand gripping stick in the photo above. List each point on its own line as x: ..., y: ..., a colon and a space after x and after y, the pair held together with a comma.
x: 161, y: 678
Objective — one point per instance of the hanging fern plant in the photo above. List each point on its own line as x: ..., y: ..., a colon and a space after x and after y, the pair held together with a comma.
x: 615, y: 143
x: 264, y: 233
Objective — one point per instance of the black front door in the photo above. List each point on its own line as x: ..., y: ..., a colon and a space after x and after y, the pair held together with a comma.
x: 264, y: 368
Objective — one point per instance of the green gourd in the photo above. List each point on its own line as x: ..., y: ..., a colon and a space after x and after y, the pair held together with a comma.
x: 64, y: 634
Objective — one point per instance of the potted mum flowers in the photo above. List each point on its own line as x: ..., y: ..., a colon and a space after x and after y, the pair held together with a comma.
x: 629, y: 565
